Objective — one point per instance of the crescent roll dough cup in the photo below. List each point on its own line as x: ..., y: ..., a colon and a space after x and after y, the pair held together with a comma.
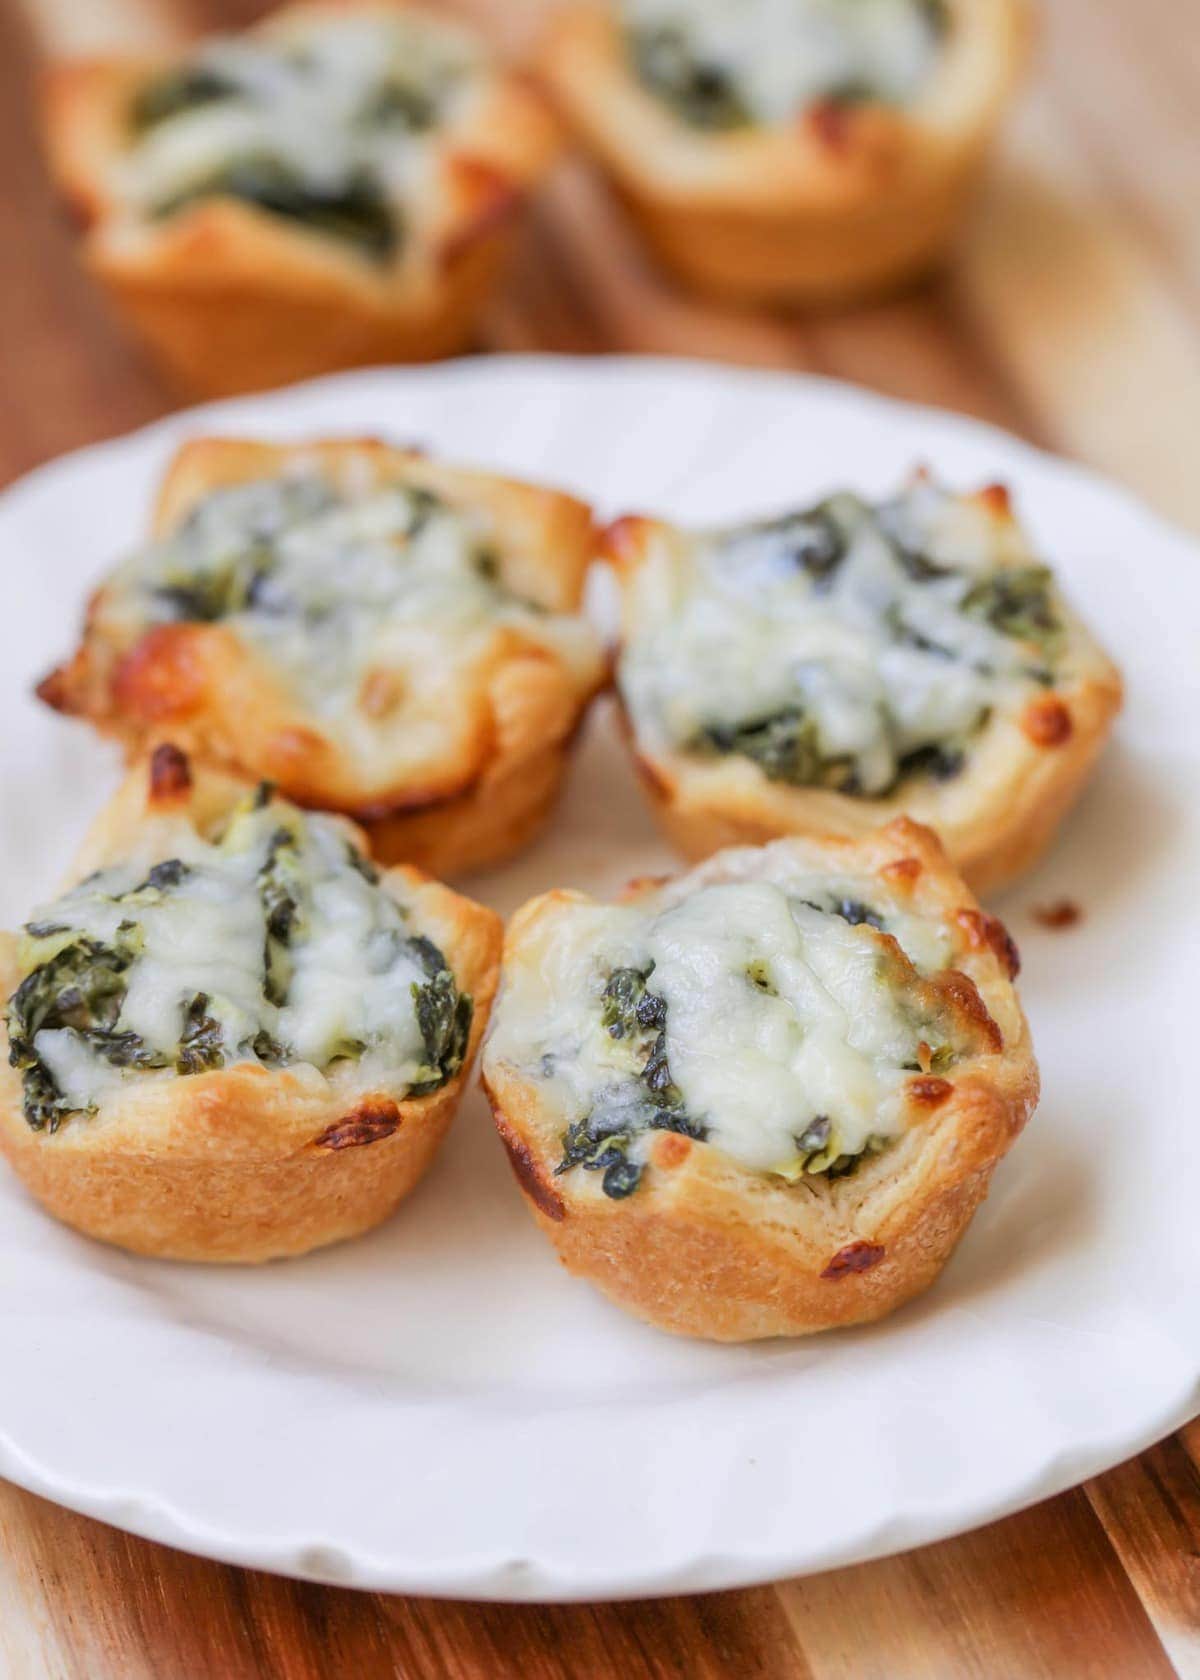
x: 1025, y: 747
x: 231, y: 296
x: 264, y: 1156
x: 848, y: 198
x: 680, y: 1223
x: 410, y: 652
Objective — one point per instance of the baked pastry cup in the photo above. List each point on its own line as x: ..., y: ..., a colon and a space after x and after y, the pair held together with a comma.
x: 376, y: 633
x: 798, y: 161
x: 826, y: 670
x: 337, y: 186
x: 766, y: 1098
x: 231, y: 1037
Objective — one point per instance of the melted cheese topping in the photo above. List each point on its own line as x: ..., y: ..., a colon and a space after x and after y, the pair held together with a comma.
x: 868, y: 627
x: 314, y: 98
x: 782, y: 56
x: 779, y: 1010
x: 334, y: 979
x: 329, y: 588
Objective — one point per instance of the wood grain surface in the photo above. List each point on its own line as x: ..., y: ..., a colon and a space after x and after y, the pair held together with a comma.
x: 1070, y: 314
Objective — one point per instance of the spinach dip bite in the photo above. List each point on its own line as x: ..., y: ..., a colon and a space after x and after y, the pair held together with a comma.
x: 765, y: 1098
x: 789, y: 150
x: 333, y: 187
x: 822, y: 671
x: 232, y: 1037
x: 374, y: 632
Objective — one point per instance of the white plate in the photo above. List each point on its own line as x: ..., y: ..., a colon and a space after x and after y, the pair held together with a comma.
x: 438, y: 1408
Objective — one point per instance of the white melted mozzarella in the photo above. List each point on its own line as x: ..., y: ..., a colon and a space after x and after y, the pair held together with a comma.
x: 304, y: 99
x: 330, y: 587
x: 351, y: 983
x: 349, y: 963
x: 782, y: 56
x: 779, y: 1010
x: 883, y: 660
x: 207, y: 932
x: 762, y: 1067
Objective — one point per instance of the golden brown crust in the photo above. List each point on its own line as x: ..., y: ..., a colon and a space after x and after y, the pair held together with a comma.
x: 232, y: 299
x: 471, y: 805
x: 245, y: 1163
x: 846, y: 201
x: 708, y: 1248
x: 996, y: 819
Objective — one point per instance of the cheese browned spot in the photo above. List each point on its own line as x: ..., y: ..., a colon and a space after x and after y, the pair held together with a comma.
x: 372, y: 1120
x: 903, y: 873
x: 930, y: 1092
x: 170, y: 773
x: 986, y: 932
x: 831, y: 123
x: 855, y: 1257
x: 526, y: 1172
x: 1047, y: 722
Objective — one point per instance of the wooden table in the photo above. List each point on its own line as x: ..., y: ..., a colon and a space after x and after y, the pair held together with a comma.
x: 1072, y: 316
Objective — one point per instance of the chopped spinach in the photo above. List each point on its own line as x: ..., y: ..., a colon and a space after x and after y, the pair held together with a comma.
x: 600, y: 1141
x: 906, y: 634
x: 815, y: 1135
x: 621, y: 1179
x: 706, y: 95
x: 79, y: 983
x: 280, y: 888
x: 423, y: 504
x: 818, y: 1152
x: 627, y: 1006
x: 355, y: 211
x: 1018, y: 601
x: 44, y: 1105
x: 703, y: 95
x: 817, y: 545
x: 759, y: 976
x: 399, y: 104
x: 444, y: 1015
x: 202, y: 1041
x: 648, y: 1101
x: 269, y: 1050
x: 917, y: 565
x: 843, y: 1165
x: 787, y: 749
x: 361, y: 864
x: 204, y: 597
x: 851, y: 910
x: 427, y: 954
x: 170, y: 95
x: 167, y: 874
x: 814, y: 542
x: 941, y: 763
x: 785, y: 746
x: 80, y: 987
x: 279, y: 884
